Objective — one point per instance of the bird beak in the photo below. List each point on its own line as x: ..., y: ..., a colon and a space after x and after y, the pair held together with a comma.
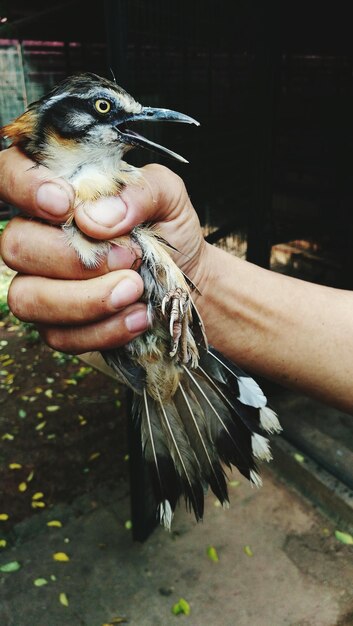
x: 150, y: 114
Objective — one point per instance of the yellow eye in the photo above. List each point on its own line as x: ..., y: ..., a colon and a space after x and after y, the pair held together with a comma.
x: 102, y: 106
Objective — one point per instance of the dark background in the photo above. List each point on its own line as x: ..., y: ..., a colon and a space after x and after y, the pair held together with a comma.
x: 271, y: 84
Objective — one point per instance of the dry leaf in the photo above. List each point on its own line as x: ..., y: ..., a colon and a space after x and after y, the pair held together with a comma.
x: 63, y: 599
x: 61, y: 556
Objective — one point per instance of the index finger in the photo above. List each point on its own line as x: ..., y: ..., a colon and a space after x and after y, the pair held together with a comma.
x: 31, y: 247
x: 33, y: 188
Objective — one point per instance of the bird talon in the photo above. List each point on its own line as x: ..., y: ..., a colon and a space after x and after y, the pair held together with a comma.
x: 178, y: 301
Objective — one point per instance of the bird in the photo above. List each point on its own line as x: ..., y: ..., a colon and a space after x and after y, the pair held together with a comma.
x: 198, y: 414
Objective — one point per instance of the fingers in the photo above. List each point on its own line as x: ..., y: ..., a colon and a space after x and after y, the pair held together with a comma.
x: 74, y: 302
x: 35, y: 248
x: 158, y: 196
x: 106, y: 334
x: 32, y: 188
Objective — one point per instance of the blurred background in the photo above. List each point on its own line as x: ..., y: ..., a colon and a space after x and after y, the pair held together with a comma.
x: 270, y: 170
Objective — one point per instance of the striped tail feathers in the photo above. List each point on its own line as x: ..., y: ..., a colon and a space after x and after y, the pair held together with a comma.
x: 240, y: 387
x: 174, y: 466
x: 197, y: 428
x: 232, y: 438
x: 247, y: 406
x: 217, y: 416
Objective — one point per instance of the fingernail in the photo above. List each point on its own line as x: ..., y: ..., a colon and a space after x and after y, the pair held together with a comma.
x: 106, y: 211
x: 136, y: 322
x: 126, y: 292
x: 53, y: 199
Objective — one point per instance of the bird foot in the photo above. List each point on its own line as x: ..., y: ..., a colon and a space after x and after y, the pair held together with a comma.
x: 175, y: 304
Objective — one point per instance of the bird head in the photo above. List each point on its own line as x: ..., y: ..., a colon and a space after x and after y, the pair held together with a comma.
x: 87, y: 116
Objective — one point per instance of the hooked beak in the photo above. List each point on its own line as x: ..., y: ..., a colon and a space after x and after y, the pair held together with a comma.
x: 150, y: 114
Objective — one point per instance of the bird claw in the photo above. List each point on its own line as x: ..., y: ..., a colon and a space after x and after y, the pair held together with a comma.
x: 178, y: 301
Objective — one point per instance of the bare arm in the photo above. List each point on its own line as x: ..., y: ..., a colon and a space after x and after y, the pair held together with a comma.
x: 297, y: 333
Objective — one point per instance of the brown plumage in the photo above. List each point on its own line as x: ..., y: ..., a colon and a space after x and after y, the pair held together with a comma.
x: 197, y: 412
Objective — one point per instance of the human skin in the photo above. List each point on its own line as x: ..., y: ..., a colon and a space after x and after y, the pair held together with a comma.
x: 291, y: 331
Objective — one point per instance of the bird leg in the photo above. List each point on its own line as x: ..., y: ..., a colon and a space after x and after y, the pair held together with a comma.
x: 175, y: 305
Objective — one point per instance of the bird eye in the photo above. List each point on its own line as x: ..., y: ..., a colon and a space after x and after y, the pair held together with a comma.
x: 102, y: 106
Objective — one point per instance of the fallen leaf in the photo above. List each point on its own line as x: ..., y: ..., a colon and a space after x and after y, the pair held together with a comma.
x: 3, y: 543
x: 345, y: 538
x: 52, y: 407
x: 22, y: 487
x: 7, y: 437
x: 38, y: 495
x: 15, y: 466
x: 41, y: 425
x: 234, y: 483
x: 94, y: 456
x: 13, y: 566
x: 61, y: 556
x: 248, y: 551
x: 212, y: 554
x: 299, y: 457
x: 63, y: 599
x: 128, y: 524
x: 40, y: 582
x: 37, y: 505
x: 7, y: 362
x: 48, y: 393
x: 54, y: 523
x: 181, y: 607
x: 4, y: 517
x: 30, y: 477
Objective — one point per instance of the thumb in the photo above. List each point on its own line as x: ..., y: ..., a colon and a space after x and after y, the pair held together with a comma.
x: 158, y: 195
x: 33, y: 188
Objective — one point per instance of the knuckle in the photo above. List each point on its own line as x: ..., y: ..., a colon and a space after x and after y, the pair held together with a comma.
x: 10, y: 244
x: 56, y: 339
x: 16, y: 298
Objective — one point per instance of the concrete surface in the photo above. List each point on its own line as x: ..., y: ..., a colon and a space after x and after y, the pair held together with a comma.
x: 298, y: 574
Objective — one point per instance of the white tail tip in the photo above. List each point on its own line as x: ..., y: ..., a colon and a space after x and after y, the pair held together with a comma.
x: 165, y: 514
x: 269, y: 420
x: 260, y: 447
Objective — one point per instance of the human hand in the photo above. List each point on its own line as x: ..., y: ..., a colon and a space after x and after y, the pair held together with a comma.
x: 77, y: 309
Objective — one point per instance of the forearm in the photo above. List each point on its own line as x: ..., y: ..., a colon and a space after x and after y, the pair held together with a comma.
x: 279, y: 327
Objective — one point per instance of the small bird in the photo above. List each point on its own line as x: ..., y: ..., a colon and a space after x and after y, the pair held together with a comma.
x: 197, y: 412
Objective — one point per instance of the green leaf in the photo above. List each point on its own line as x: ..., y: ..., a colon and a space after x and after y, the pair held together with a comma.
x: 12, y: 566
x: 345, y: 538
x: 299, y: 457
x: 248, y: 551
x: 22, y: 413
x: 40, y: 582
x: 181, y: 607
x: 212, y: 554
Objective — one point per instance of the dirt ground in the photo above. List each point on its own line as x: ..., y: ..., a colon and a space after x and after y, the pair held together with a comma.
x: 62, y: 426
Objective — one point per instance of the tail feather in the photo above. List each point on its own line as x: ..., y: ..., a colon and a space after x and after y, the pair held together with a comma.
x: 231, y: 438
x: 198, y: 432
x: 184, y: 458
x: 217, y: 416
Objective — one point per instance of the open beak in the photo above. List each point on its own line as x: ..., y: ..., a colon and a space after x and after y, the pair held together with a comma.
x: 150, y: 114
